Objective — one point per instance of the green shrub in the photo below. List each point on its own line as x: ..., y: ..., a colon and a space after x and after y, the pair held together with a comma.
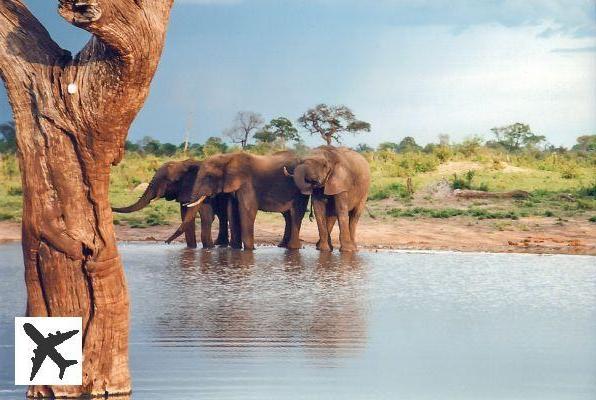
x: 483, y: 187
x: 9, y: 165
x: 569, y: 171
x: 15, y: 191
x: 588, y: 191
x: 445, y: 213
x: 4, y: 216
x: 391, y: 190
x: 463, y: 183
x: 390, y: 164
x: 586, y: 204
x: 452, y: 212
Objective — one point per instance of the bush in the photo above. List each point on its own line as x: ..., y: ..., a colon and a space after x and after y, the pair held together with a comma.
x: 391, y: 190
x: 443, y: 153
x: 588, y: 191
x: 452, y: 212
x: 10, y: 165
x: 390, y: 164
x: 15, y: 191
x: 463, y: 183
x: 483, y: 187
x: 5, y: 216
x: 570, y: 171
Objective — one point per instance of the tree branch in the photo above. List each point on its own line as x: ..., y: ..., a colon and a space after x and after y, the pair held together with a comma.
x: 117, y: 23
x: 24, y: 42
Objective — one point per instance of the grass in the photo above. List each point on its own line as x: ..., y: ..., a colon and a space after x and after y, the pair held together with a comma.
x: 392, y: 190
x: 561, y: 186
x: 452, y: 212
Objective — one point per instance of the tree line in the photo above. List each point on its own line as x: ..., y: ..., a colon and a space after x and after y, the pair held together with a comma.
x: 249, y: 131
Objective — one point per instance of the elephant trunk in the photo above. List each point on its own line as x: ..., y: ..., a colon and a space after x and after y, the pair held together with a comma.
x: 143, y: 201
x: 189, y: 216
x: 300, y: 180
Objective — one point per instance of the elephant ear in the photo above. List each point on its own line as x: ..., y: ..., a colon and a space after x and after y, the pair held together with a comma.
x: 185, y: 184
x: 339, y: 181
x: 235, y: 175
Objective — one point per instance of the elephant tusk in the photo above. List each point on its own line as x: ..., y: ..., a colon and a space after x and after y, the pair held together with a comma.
x: 196, y: 203
x: 286, y: 173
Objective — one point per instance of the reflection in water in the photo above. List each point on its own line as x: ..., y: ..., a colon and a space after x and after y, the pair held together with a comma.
x: 275, y: 324
x: 227, y: 301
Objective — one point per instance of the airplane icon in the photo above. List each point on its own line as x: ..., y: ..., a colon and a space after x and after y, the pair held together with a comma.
x: 46, y: 346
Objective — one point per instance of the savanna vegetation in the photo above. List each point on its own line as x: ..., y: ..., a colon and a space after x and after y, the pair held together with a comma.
x: 408, y: 180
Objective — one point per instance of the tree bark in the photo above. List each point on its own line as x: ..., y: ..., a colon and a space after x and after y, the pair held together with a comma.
x: 72, y: 117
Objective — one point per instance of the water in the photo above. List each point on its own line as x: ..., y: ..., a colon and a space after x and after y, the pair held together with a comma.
x: 275, y: 324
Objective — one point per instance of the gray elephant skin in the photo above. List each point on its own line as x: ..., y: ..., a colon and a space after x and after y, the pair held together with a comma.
x: 254, y: 183
x: 174, y: 180
x: 338, y: 179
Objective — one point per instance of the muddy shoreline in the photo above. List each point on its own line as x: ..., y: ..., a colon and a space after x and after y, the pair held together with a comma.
x: 527, y: 235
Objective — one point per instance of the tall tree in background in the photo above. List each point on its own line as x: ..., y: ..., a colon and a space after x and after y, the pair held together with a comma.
x: 331, y: 122
x: 72, y: 116
x: 408, y: 144
x: 8, y: 141
x: 388, y: 146
x: 514, y: 137
x: 444, y: 139
x: 278, y: 130
x: 585, y: 143
x: 245, y: 123
x: 214, y: 145
x: 363, y: 148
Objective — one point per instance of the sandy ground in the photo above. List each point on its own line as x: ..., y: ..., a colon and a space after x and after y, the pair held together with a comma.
x: 527, y: 235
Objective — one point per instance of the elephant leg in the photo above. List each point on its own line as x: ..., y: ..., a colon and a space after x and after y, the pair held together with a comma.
x: 207, y: 217
x: 288, y: 225
x: 331, y: 220
x: 297, y: 214
x: 247, y: 209
x: 189, y: 230
x: 354, y: 217
x: 221, y: 208
x: 341, y: 207
x: 234, y: 222
x: 319, y: 207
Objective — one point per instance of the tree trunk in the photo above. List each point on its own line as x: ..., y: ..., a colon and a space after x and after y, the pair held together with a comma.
x: 72, y: 116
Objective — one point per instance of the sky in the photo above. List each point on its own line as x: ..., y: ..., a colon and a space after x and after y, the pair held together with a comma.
x: 411, y: 68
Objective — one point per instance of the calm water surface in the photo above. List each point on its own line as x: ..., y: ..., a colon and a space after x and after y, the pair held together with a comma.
x: 274, y: 324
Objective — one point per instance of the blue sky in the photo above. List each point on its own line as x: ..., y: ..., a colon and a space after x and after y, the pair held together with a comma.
x: 417, y: 68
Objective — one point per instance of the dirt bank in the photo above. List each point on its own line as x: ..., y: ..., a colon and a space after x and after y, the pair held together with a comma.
x: 527, y: 235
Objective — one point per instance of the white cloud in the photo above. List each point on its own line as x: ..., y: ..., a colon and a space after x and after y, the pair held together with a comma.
x: 567, y: 17
x: 425, y: 82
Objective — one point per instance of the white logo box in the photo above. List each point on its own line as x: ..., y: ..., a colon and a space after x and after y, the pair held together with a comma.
x: 45, y: 330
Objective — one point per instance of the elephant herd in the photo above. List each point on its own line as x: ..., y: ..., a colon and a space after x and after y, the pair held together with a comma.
x: 235, y: 186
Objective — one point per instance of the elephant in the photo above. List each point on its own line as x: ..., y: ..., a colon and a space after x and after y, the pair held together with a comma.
x: 254, y: 183
x: 174, y: 180
x: 338, y: 180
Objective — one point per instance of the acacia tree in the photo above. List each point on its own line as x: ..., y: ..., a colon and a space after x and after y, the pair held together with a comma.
x: 515, y: 136
x: 331, y: 121
x: 245, y: 123
x: 408, y: 144
x: 278, y: 129
x: 72, y: 116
